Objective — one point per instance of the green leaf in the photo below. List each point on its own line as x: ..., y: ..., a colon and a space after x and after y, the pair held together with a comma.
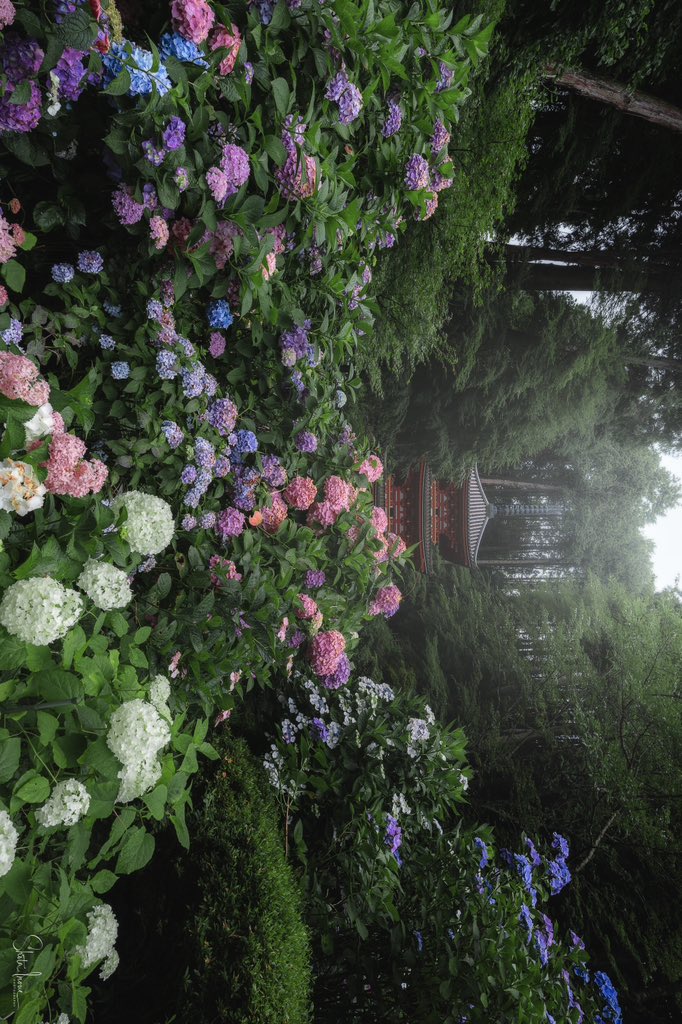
x: 56, y: 684
x: 10, y: 751
x: 14, y: 275
x: 21, y: 94
x: 120, y: 85
x: 103, y: 881
x: 118, y: 623
x: 17, y: 883
x: 274, y: 148
x: 280, y: 91
x: 48, y: 216
x: 47, y: 727
x: 156, y: 801
x: 35, y: 791
x: 136, y: 851
x: 75, y: 642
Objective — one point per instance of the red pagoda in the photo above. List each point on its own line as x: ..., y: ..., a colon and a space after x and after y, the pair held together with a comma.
x: 436, y: 514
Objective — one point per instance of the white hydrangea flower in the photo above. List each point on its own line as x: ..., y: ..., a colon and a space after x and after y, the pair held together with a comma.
x: 39, y: 610
x: 8, y: 842
x: 136, y: 734
x: 159, y: 692
x: 150, y: 525
x: 106, y: 586
x: 102, y: 935
x: 20, y: 489
x: 40, y: 424
x: 63, y: 1018
x: 109, y: 965
x: 67, y: 804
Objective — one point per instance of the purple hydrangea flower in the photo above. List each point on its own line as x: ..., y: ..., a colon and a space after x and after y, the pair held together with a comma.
x: 174, y: 135
x: 340, y: 676
x: 173, y: 434
x: 188, y: 475
x: 20, y: 117
x: 306, y: 441
x: 446, y: 79
x: 222, y: 415
x: 416, y: 173
x: 154, y: 310
x: 71, y: 73
x: 154, y: 154
x: 188, y: 522
x: 248, y: 72
x: 274, y: 472
x: 181, y: 178
x: 208, y: 521
x: 90, y: 262
x: 321, y: 729
x: 349, y: 98
x: 20, y: 59
x: 314, y: 579
x: 393, y: 121
x: 222, y: 466
x: 441, y: 137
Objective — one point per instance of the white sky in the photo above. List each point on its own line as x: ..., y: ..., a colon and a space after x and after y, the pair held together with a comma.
x: 666, y: 533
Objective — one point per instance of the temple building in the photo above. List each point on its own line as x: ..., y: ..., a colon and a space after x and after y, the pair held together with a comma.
x: 452, y: 518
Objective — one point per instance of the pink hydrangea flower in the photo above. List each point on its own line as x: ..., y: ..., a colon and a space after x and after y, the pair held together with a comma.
x: 224, y: 38
x: 270, y: 266
x: 4, y: 297
x: 381, y: 555
x: 379, y: 519
x: 8, y: 245
x: 274, y: 516
x: 386, y: 602
x: 193, y: 19
x: 337, y: 493
x: 282, y: 632
x: 18, y: 234
x: 217, y: 344
x: 301, y: 493
x: 67, y: 470
x: 325, y: 652
x: 372, y: 468
x: 222, y: 242
x: 218, y: 183
x: 309, y: 607
x: 7, y: 14
x: 396, y: 545
x: 228, y: 568
x: 19, y: 379
x: 158, y: 229
x: 322, y: 512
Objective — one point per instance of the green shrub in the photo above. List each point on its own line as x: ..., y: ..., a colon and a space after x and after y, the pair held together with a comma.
x: 252, y: 960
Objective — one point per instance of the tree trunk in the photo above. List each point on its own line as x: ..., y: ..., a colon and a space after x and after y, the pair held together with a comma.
x: 658, y: 363
x: 620, y: 96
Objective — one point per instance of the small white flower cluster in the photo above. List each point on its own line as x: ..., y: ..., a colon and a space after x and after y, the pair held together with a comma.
x: 273, y: 762
x: 150, y: 526
x: 8, y: 842
x: 63, y: 1018
x: 136, y: 734
x: 99, y: 945
x: 463, y: 781
x: 316, y: 698
x: 159, y: 692
x: 400, y: 805
x: 106, y: 586
x: 67, y: 804
x: 419, y: 733
x: 40, y: 424
x: 382, y: 691
x: 39, y: 610
x: 20, y: 489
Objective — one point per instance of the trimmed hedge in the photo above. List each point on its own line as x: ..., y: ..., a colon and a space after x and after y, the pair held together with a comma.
x: 252, y: 948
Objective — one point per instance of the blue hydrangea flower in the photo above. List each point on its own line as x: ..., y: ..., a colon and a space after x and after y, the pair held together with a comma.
x: 527, y: 918
x: 166, y: 365
x: 173, y: 434
x: 154, y: 309
x: 172, y: 44
x: 62, y: 273
x: 219, y: 313
x: 120, y: 370
x: 479, y: 843
x: 246, y: 442
x: 13, y: 334
x: 107, y: 342
x: 139, y: 64
x: 112, y: 310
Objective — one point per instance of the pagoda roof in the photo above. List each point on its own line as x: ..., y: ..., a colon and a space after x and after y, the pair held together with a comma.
x: 477, y: 512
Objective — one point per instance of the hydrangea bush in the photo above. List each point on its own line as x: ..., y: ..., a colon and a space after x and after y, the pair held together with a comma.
x: 192, y: 203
